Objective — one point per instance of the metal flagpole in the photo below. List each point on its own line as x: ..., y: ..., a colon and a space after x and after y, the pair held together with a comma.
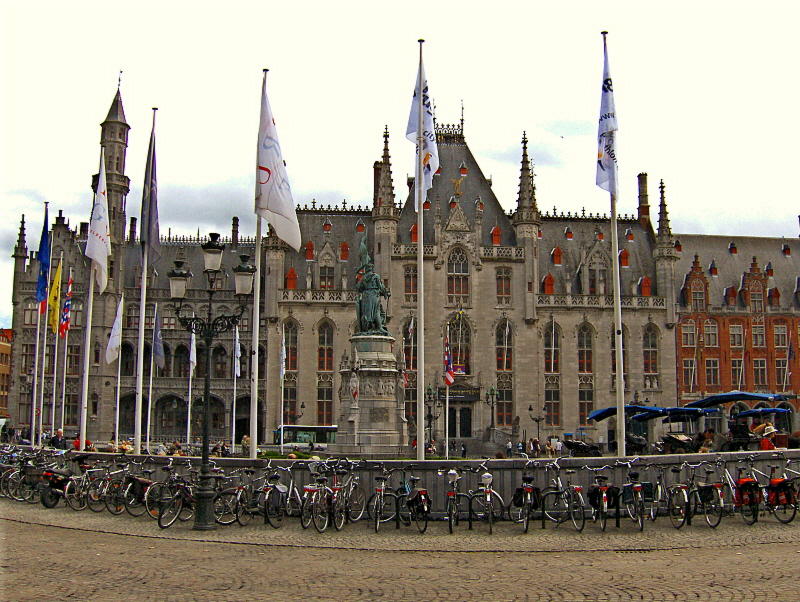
x: 150, y: 385
x: 137, y: 421
x: 119, y: 374
x: 46, y: 302
x: 35, y: 377
x: 189, y: 406
x: 254, y: 347
x: 55, y: 362
x: 420, y: 272
x: 86, y: 350
x: 235, y: 377
x: 447, y: 409
x: 283, y: 377
x: 66, y: 356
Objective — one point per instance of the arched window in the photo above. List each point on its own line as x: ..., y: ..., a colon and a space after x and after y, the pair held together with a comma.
x: 650, y: 356
x: 290, y: 409
x: 503, y: 281
x: 624, y: 258
x: 711, y: 333
x: 290, y: 281
x: 220, y: 360
x: 325, y: 347
x: 756, y: 297
x: 552, y: 348
x: 325, y: 399
x: 413, y: 232
x: 310, y: 250
x: 698, y: 296
x: 688, y: 334
x: 290, y: 334
x: 496, y: 233
x: 410, y: 283
x: 556, y: 255
x: 167, y: 369
x: 128, y: 367
x: 458, y: 278
x: 181, y: 361
x: 460, y: 335
x: 505, y: 400
x: 585, y: 359
x: 200, y: 368
x: 504, y: 346
x: 645, y: 287
x: 548, y: 284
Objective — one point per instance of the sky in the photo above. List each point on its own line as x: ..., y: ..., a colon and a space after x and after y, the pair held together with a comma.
x: 706, y: 97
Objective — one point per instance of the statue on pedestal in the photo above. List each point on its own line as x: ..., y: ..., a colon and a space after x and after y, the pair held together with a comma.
x: 369, y: 311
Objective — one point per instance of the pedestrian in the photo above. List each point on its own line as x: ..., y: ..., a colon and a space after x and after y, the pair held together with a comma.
x: 57, y: 441
x: 463, y: 450
x: 520, y: 448
x: 557, y: 447
x: 246, y: 446
x: 509, y: 448
x: 767, y: 443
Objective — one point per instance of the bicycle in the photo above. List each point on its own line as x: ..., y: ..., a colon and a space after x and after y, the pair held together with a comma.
x: 455, y: 498
x: 779, y: 494
x: 485, y: 502
x: 526, y: 499
x: 601, y: 496
x: 633, y: 494
x: 563, y: 502
x: 684, y: 498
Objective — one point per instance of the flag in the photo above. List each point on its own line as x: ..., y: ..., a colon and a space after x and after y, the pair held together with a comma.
x: 63, y: 327
x: 44, y: 263
x: 54, y: 301
x: 282, y: 358
x: 273, y: 193
x: 98, y: 245
x: 237, y: 353
x: 449, y: 375
x: 430, y: 152
x: 115, y: 340
x: 192, y: 354
x: 606, y: 132
x: 158, y: 342
x: 149, y: 236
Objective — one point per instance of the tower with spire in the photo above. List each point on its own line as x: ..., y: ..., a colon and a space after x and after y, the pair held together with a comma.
x: 665, y: 256
x: 385, y: 213
x: 527, y: 222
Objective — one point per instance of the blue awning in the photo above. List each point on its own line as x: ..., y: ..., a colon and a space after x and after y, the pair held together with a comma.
x: 720, y: 398
x: 762, y: 412
x: 604, y: 413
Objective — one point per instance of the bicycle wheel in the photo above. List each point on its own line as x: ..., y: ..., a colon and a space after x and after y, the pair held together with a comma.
x: 516, y: 514
x: 638, y: 510
x: 115, y: 498
x: 784, y: 513
x: 48, y: 497
x: 553, y: 506
x: 420, y: 517
x: 339, y: 512
x: 95, y: 496
x: 320, y: 511
x: 245, y: 508
x: 133, y: 504
x: 226, y: 506
x: 490, y: 514
x: 527, y: 510
x: 305, y: 511
x: 602, y: 514
x: 357, y: 502
x: 677, y: 507
x: 273, y: 508
x: 187, y: 510
x: 749, y: 513
x: 74, y: 496
x: 651, y: 508
x: 153, y: 496
x: 712, y: 508
x: 577, y: 512
x: 452, y: 514
x: 27, y: 491
x: 293, y: 503
x: 169, y: 510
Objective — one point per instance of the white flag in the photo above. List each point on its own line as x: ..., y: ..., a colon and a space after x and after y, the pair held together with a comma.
x: 98, y: 245
x: 237, y: 353
x: 192, y: 354
x: 606, y: 133
x: 273, y: 193
x: 282, y: 358
x: 430, y: 152
x: 115, y: 340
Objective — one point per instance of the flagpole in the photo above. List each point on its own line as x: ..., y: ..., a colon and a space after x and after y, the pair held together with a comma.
x: 418, y: 182
x: 40, y: 405
x: 137, y: 427
x: 86, y: 345
x: 35, y: 378
x: 119, y: 380
x: 66, y: 356
x: 235, y: 377
x: 786, y: 370
x: 55, y: 353
x: 150, y: 384
x: 741, y: 369
x: 189, y: 408
x: 446, y: 422
x: 254, y: 344
x: 283, y: 377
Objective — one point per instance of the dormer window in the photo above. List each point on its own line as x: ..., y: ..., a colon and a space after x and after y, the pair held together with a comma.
x: 786, y: 250
x: 462, y: 170
x: 413, y: 232
x: 344, y: 251
x: 496, y: 236
x: 309, y: 251
x: 556, y: 256
x: 360, y: 226
x: 624, y: 258
x: 732, y: 248
x: 678, y: 246
x: 548, y: 284
x: 327, y: 226
x: 568, y: 233
x: 629, y: 234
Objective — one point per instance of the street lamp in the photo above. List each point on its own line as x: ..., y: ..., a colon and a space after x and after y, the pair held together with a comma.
x: 491, y: 399
x: 537, y: 418
x: 207, y: 328
x: 431, y: 400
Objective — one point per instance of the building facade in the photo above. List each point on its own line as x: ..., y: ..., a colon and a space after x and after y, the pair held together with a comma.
x: 523, y: 296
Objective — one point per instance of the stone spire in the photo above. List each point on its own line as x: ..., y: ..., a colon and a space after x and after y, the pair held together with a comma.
x: 115, y: 113
x: 383, y: 189
x: 21, y: 248
x: 664, y: 230
x: 527, y: 211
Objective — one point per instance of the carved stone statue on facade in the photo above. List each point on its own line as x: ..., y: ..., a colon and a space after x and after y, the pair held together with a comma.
x: 371, y: 316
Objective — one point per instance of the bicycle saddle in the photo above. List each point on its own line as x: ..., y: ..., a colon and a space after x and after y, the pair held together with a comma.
x: 322, y: 480
x: 569, y: 471
x: 633, y: 476
x: 414, y: 479
x: 675, y: 470
x: 381, y: 479
x: 527, y: 478
x: 601, y: 477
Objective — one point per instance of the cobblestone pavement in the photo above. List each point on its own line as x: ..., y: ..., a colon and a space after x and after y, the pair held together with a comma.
x: 86, y: 555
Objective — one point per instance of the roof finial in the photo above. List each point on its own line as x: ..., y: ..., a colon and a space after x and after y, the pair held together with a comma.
x: 119, y: 79
x: 462, y: 115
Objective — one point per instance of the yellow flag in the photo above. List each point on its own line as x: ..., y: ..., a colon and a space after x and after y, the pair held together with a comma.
x: 54, y: 301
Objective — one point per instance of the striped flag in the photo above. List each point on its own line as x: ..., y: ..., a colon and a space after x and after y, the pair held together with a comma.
x: 63, y: 326
x: 237, y: 353
x: 98, y: 244
x: 449, y: 375
x: 606, y: 132
x: 429, y: 150
x: 54, y: 300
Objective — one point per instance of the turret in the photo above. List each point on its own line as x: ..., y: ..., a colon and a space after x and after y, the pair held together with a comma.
x: 20, y: 253
x: 665, y: 257
x: 526, y: 222
x: 385, y: 214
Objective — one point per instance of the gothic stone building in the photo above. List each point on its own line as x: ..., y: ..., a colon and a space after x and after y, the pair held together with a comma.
x: 524, y: 297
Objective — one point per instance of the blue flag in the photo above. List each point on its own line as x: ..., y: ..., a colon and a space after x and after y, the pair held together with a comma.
x: 158, y: 342
x: 44, y: 260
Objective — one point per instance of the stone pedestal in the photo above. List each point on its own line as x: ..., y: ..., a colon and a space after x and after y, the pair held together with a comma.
x: 371, y: 424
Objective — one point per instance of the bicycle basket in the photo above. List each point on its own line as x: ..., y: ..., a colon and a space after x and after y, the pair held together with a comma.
x: 648, y: 491
x: 518, y: 498
x: 707, y: 493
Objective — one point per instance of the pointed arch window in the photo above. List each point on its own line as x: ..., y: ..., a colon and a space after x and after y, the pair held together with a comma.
x: 325, y: 347
x: 309, y: 250
x: 325, y: 399
x: 556, y: 255
x: 181, y: 361
x: 410, y: 283
x: 624, y: 258
x: 460, y: 336
x: 458, y: 278
x: 585, y: 351
x: 548, y: 284
x: 290, y: 335
x: 409, y: 346
x: 503, y: 282
x: 505, y: 400
x: 552, y: 348
x: 220, y: 361
x: 344, y: 251
x: 413, y: 232
x: 650, y: 356
x: 504, y: 348
x: 496, y: 234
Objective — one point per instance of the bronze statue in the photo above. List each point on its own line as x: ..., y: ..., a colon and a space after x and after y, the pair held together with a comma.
x: 369, y: 311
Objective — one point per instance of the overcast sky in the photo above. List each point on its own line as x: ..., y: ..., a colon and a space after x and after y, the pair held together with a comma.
x: 706, y: 96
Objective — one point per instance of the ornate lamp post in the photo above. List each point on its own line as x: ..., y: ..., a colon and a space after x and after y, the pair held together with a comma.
x: 491, y: 399
x: 207, y: 328
x: 431, y: 401
x: 537, y: 418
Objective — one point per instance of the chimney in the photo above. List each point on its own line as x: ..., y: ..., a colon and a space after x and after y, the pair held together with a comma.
x: 84, y: 231
x: 235, y: 231
x: 132, y: 230
x: 644, y: 205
